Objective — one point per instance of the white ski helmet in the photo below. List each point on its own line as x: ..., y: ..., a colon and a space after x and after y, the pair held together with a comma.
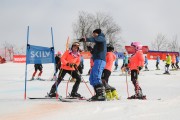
x: 137, y: 45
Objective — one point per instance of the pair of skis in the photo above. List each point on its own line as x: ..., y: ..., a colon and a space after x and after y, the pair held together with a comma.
x: 62, y: 99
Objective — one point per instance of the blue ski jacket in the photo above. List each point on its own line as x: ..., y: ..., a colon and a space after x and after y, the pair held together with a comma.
x: 100, y: 48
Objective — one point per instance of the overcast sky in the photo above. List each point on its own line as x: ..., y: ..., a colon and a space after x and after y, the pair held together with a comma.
x: 140, y: 20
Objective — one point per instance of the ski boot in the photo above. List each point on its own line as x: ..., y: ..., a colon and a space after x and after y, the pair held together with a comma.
x: 32, y: 78
x: 166, y: 72
x: 52, y: 93
x: 38, y: 78
x: 75, y: 95
x: 138, y: 95
x: 115, y: 95
x: 109, y: 95
x: 100, y: 93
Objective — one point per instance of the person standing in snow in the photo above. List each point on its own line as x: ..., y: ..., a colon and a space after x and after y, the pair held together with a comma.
x: 136, y: 63
x: 157, y: 63
x: 36, y: 68
x: 111, y: 92
x: 124, y: 67
x: 168, y: 62
x: 99, y: 58
x: 146, y: 64
x: 177, y: 61
x: 173, y: 61
x: 70, y: 60
x: 116, y: 61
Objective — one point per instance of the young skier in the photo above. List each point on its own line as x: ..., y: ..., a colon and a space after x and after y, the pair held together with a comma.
x: 173, y: 61
x: 111, y: 92
x: 36, y: 68
x: 168, y: 62
x: 70, y: 60
x: 146, y: 63
x: 99, y: 58
x: 136, y: 63
x: 116, y: 61
x: 177, y: 61
x: 125, y: 63
x: 157, y: 63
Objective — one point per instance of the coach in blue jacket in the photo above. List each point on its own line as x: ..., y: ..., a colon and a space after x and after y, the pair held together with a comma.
x: 99, y: 58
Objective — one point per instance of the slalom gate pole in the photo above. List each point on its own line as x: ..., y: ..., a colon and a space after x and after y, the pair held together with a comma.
x: 83, y: 80
x: 127, y: 84
x: 25, y: 85
x: 54, y: 63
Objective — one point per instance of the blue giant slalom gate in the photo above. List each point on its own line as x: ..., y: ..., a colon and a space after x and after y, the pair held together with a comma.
x: 38, y: 55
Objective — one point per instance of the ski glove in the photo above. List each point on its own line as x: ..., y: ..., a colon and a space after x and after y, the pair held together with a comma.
x: 82, y: 40
x: 71, y: 65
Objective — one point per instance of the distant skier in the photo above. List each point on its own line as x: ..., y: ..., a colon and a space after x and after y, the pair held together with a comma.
x: 36, y: 68
x: 124, y: 67
x: 136, y: 63
x: 168, y: 62
x: 70, y: 60
x: 146, y: 64
x: 173, y: 62
x: 116, y: 61
x: 111, y: 92
x: 157, y: 63
x: 177, y: 61
x: 99, y: 58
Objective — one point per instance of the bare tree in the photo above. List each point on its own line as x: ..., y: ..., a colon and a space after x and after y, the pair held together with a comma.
x: 84, y: 25
x: 173, y: 45
x: 87, y: 22
x: 9, y: 50
x: 160, y: 42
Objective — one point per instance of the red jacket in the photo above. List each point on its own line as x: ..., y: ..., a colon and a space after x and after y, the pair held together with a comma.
x: 110, y: 58
x: 69, y: 57
x: 136, y: 60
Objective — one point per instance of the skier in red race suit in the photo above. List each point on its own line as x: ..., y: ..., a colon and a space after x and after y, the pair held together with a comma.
x: 136, y: 63
x: 111, y: 92
x: 70, y: 61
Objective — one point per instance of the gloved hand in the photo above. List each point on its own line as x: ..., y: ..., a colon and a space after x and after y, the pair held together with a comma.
x: 71, y: 65
x: 82, y: 40
x: 140, y: 68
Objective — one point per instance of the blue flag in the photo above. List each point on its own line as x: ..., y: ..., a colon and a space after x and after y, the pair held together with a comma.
x: 39, y: 55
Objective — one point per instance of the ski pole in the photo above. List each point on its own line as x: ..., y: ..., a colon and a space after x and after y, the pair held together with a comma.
x: 127, y: 84
x: 67, y: 84
x: 60, y: 72
x: 83, y: 80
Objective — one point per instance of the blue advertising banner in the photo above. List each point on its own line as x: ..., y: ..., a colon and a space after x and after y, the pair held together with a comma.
x: 39, y: 55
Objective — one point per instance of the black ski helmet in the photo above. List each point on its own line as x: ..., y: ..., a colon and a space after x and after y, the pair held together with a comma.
x: 110, y: 48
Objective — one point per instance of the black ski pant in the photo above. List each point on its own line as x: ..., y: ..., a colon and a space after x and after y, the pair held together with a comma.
x: 61, y: 75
